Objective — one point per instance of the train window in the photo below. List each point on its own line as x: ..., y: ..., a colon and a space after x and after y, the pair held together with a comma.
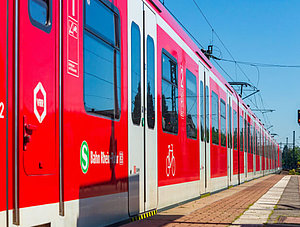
x: 102, y: 61
x: 265, y: 150
x: 201, y: 111
x: 245, y: 135
x: 235, y: 130
x: 97, y: 11
x: 150, y: 83
x: 191, y: 105
x: 135, y: 74
x: 252, y: 139
x: 249, y: 138
x: 40, y: 12
x: 207, y: 113
x: 215, y: 117
x: 241, y: 134
x: 169, y: 93
x: 259, y: 142
x: 256, y: 142
x: 229, y: 125
x: 223, y: 122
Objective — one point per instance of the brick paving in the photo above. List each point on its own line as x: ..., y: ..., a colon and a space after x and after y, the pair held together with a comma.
x: 260, y: 211
x: 220, y: 209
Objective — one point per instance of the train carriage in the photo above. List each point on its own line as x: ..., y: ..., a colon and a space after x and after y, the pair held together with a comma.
x: 109, y: 110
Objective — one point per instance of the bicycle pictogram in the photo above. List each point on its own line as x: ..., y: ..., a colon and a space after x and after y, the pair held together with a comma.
x: 170, y: 161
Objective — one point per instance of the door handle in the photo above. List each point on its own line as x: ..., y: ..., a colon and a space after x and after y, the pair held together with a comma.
x: 27, y: 132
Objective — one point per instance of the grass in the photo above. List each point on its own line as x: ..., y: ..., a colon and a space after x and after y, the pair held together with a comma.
x: 243, y: 212
x: 205, y: 195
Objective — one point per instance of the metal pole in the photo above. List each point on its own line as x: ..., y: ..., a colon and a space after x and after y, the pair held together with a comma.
x: 16, y: 218
x: 294, y: 155
x: 61, y: 198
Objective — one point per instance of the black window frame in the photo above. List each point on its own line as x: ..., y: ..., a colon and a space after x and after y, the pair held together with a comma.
x: 189, y: 135
x: 216, y: 133
x: 136, y: 101
x: 44, y: 27
x: 241, y: 133
x: 117, y: 51
x: 175, y: 85
x: 202, y: 116
x: 151, y: 118
x: 223, y: 135
x: 235, y: 130
x: 229, y: 126
x: 207, y: 111
x: 249, y: 137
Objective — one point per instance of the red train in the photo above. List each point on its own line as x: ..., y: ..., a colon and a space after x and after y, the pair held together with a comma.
x: 109, y: 110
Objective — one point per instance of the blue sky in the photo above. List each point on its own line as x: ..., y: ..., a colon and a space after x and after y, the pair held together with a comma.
x: 264, y: 31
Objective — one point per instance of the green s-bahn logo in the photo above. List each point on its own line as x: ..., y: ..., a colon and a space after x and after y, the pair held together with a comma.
x: 84, y: 157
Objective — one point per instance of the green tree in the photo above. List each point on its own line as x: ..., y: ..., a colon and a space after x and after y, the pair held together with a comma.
x: 288, y: 159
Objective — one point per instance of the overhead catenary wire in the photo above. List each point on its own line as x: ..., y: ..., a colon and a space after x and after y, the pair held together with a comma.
x: 257, y: 64
x: 228, y: 51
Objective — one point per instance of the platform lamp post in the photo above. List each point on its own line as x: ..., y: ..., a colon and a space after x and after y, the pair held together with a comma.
x: 294, y: 136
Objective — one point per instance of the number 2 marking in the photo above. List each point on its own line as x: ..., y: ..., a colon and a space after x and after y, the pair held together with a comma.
x: 1, y: 110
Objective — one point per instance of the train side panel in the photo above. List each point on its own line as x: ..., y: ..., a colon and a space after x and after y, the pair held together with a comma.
x: 178, y: 156
x: 95, y: 125
x: 3, y: 110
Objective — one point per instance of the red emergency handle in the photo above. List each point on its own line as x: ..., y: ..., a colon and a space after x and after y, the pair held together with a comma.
x: 27, y: 132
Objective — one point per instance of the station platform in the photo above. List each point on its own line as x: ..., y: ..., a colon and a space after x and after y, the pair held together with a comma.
x: 272, y: 200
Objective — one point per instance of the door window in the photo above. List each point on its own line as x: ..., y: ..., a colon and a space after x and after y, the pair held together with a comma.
x: 150, y: 83
x: 201, y: 111
x: 207, y: 113
x: 136, y: 96
x: 229, y: 125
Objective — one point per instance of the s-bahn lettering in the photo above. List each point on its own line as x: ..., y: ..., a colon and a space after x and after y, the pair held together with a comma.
x: 84, y: 157
x: 108, y: 158
x: 88, y: 157
x: 1, y: 110
x: 95, y: 158
x: 40, y: 102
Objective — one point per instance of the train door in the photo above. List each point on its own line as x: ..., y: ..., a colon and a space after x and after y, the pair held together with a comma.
x: 229, y: 140
x: 36, y: 107
x: 204, y: 130
x: 150, y: 111
x: 142, y: 108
